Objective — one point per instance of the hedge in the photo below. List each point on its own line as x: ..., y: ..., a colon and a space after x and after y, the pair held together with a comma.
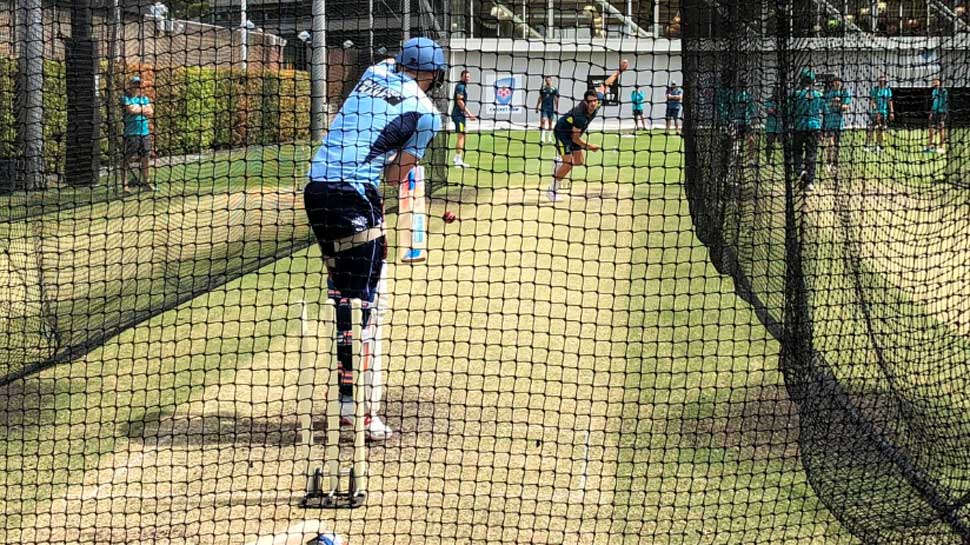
x: 196, y: 108
x: 8, y: 121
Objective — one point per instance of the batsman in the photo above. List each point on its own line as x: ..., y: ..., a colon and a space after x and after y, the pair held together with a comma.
x: 384, y: 128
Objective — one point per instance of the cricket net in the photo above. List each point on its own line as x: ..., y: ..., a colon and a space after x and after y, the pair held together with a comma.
x: 858, y: 273
x: 667, y: 340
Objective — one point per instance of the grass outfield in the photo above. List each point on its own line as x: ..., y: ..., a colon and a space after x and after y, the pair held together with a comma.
x: 569, y: 373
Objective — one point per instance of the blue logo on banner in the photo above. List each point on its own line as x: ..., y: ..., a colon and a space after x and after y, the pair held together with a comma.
x: 504, y: 89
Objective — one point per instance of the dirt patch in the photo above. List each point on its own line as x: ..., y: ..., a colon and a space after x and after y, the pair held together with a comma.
x: 763, y: 424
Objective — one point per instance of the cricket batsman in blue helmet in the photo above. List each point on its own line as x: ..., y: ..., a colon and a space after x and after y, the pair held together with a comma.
x: 383, y: 129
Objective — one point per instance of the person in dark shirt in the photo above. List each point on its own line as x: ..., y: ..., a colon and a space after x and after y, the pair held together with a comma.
x: 460, y: 115
x: 547, y: 106
x: 570, y: 128
x: 675, y: 103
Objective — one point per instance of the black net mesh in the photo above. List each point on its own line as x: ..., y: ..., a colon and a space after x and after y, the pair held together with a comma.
x: 751, y: 328
x: 847, y: 251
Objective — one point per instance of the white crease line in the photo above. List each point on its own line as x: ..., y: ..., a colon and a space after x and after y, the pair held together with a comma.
x: 294, y: 535
x: 582, y: 479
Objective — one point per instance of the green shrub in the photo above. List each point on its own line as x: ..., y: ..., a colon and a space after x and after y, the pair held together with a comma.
x: 8, y: 118
x: 269, y: 106
x: 200, y: 105
x: 294, y: 124
x: 55, y: 116
x: 196, y: 108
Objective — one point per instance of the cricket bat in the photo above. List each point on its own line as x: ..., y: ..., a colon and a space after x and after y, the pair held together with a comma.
x: 412, y: 220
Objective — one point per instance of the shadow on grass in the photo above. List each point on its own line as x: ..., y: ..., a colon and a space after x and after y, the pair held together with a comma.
x: 25, y: 403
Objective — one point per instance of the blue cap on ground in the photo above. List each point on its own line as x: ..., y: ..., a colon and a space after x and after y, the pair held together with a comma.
x: 423, y: 55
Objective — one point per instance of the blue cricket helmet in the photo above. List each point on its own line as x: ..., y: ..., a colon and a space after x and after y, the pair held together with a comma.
x: 423, y: 55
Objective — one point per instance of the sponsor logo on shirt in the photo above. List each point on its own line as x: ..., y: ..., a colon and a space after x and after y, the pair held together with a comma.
x: 373, y: 89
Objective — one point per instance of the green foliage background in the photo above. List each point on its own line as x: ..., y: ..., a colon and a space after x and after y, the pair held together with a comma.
x: 196, y: 108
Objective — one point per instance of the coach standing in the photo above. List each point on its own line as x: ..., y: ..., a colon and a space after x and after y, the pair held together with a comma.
x: 138, y: 141
x: 384, y: 127
x: 461, y: 115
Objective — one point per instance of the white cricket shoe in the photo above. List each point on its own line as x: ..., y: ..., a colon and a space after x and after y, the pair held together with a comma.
x: 553, y: 196
x: 347, y: 411
x: 460, y: 163
x: 375, y: 428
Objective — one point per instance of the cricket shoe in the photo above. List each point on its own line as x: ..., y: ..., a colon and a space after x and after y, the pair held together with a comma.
x: 375, y: 428
x: 460, y: 163
x: 553, y: 196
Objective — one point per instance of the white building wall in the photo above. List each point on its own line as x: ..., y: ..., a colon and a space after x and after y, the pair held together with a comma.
x: 655, y: 63
x: 571, y: 65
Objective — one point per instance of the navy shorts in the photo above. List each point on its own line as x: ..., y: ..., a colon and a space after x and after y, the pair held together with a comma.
x: 459, y: 121
x: 336, y: 210
x: 673, y: 112
x: 937, y: 119
x: 137, y: 146
x: 549, y: 114
x: 565, y: 144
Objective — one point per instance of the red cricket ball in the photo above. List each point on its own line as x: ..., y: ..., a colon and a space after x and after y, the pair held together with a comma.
x: 449, y: 216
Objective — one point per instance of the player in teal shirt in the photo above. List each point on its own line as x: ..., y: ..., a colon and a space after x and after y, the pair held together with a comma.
x: 806, y: 114
x: 938, y: 110
x: 773, y: 125
x: 138, y: 110
x: 837, y: 101
x: 743, y: 113
x: 881, y: 113
x: 636, y: 99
